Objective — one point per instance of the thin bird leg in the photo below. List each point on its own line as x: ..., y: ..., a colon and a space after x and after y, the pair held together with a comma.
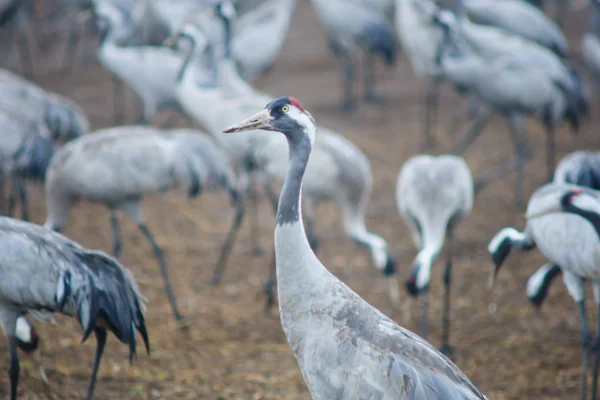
x: 229, y: 242
x: 114, y: 223
x: 70, y: 50
x: 2, y: 199
x: 550, y: 151
x: 163, y: 270
x: 430, y: 96
x: 523, y: 154
x: 25, y: 55
x: 13, y: 369
x: 596, y: 348
x: 348, y: 68
x: 476, y: 130
x: 40, y: 366
x: 270, y: 285
x: 586, y: 340
x: 425, y: 312
x: 12, y: 198
x: 257, y: 249
x: 446, y: 349
x: 118, y: 101
x: 24, y: 201
x: 468, y: 113
x: 100, y: 342
x: 369, y: 83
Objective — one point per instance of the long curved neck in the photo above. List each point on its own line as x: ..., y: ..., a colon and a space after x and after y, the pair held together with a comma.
x: 593, y: 217
x: 186, y: 61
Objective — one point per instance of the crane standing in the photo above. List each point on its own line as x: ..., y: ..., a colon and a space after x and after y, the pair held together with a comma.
x: 346, y: 349
x: 43, y: 272
x: 118, y: 166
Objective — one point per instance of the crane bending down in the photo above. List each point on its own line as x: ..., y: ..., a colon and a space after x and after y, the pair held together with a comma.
x: 118, y: 166
x: 433, y: 195
x: 43, y: 272
x: 346, y: 348
x: 566, y: 240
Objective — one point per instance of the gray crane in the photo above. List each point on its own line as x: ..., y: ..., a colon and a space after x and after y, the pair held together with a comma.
x: 353, y: 26
x: 118, y: 166
x: 520, y: 18
x: 580, y: 168
x: 433, y: 195
x: 43, y: 272
x: 151, y: 71
x: 346, y: 348
x: 512, y: 88
x: 566, y: 240
x: 420, y: 39
x: 590, y: 43
x: 339, y: 171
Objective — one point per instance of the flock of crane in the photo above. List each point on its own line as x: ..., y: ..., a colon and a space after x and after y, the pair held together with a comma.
x: 505, y: 57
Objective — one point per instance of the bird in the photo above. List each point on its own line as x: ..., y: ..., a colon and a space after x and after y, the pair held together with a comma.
x: 420, y: 38
x: 150, y: 70
x: 433, y: 195
x: 339, y: 171
x: 566, y: 240
x: 520, y: 18
x: 118, y: 166
x: 512, y: 88
x: 353, y: 26
x: 590, y: 43
x: 345, y: 348
x: 43, y: 272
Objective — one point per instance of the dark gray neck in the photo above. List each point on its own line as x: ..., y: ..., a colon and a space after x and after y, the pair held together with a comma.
x: 186, y: 61
x: 288, y: 211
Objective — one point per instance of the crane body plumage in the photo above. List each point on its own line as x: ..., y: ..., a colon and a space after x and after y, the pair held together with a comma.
x: 43, y: 272
x: 346, y: 349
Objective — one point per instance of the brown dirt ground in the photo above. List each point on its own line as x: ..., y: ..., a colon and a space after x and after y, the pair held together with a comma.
x: 234, y: 351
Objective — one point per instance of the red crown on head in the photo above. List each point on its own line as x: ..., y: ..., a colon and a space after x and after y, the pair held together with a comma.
x: 294, y: 101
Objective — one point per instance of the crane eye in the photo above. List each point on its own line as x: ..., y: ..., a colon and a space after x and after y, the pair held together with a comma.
x: 285, y: 109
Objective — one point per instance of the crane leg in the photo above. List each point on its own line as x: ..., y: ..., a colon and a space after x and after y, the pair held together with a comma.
x: 118, y: 101
x: 446, y: 349
x: 229, y: 242
x: 430, y: 103
x: 25, y: 55
x: 100, y: 342
x: 523, y: 154
x: 348, y: 99
x: 425, y: 313
x: 596, y: 348
x: 550, y: 151
x: 114, y: 223
x: 257, y: 249
x: 468, y: 113
x: 158, y: 252
x: 467, y: 140
x: 13, y: 369
x: 12, y: 199
x: 24, y: 199
x: 270, y: 285
x: 586, y: 340
x: 369, y: 94
x: 72, y: 42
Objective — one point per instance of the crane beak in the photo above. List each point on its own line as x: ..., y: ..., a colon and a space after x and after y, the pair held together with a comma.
x: 262, y: 120
x: 493, y: 276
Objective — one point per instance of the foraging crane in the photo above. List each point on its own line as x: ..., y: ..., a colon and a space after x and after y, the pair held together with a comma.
x: 352, y: 26
x: 150, y: 70
x: 43, y: 272
x: 520, y: 18
x: 514, y: 90
x: 590, y: 43
x: 118, y: 166
x: 420, y: 40
x: 345, y: 348
x: 566, y: 240
x: 338, y: 171
x: 433, y: 195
